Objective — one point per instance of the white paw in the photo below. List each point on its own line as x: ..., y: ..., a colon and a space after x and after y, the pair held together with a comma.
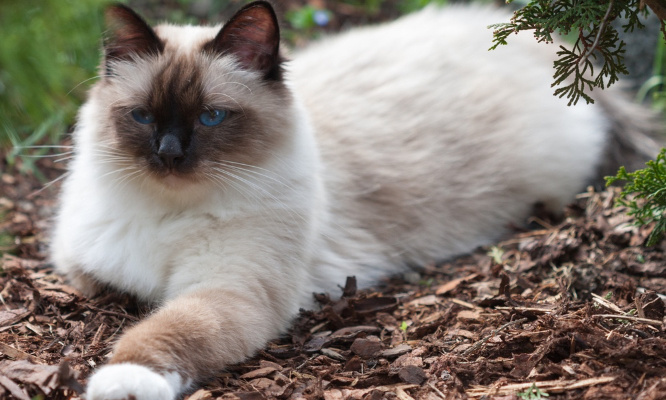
x: 129, y: 382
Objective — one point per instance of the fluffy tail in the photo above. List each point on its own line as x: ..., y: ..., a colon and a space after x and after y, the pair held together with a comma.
x: 636, y: 134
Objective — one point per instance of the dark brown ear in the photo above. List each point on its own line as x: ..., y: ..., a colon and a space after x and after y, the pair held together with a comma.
x: 253, y: 36
x: 128, y: 34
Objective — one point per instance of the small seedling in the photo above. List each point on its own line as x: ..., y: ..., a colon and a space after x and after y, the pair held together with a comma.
x: 404, y: 326
x: 496, y: 254
x: 426, y: 282
x: 532, y: 393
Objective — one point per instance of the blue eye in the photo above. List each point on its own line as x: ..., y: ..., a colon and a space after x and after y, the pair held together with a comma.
x: 213, y: 117
x: 142, y: 116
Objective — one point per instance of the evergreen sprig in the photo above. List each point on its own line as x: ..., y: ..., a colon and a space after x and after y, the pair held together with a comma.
x: 648, y: 184
x: 596, y: 41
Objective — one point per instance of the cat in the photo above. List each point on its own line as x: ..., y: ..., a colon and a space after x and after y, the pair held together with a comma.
x: 224, y: 184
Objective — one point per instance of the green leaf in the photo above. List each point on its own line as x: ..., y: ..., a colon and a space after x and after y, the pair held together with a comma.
x: 644, y: 194
x: 596, y: 40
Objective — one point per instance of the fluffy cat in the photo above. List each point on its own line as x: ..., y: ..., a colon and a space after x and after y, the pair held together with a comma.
x: 225, y: 185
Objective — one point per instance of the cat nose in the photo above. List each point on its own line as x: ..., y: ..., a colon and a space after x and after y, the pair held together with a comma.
x: 170, y: 150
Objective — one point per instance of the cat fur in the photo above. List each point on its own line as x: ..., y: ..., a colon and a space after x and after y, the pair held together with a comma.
x: 379, y: 148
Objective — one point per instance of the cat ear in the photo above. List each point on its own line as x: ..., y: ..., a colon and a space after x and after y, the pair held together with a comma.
x: 253, y: 36
x: 127, y: 35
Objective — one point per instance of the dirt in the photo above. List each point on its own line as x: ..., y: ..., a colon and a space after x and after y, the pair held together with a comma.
x: 572, y: 310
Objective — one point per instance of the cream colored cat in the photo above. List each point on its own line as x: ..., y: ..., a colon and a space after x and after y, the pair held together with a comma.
x: 226, y: 185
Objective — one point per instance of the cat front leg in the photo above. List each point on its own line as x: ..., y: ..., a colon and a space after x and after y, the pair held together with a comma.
x: 132, y: 381
x: 186, y: 342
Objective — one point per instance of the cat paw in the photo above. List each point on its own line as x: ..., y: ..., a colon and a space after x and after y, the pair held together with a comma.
x: 129, y: 382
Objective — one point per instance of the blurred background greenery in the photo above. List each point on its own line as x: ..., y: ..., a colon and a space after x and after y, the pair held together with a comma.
x: 50, y: 49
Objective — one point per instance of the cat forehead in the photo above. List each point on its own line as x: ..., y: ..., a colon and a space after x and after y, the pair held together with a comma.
x: 187, y: 38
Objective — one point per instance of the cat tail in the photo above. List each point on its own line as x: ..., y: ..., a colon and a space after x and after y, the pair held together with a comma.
x: 636, y: 134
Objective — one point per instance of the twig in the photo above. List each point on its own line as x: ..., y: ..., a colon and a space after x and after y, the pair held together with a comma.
x: 527, y: 309
x: 439, y: 392
x: 602, y: 27
x: 605, y: 303
x: 550, y: 386
x: 631, y: 318
x: 109, y: 312
x: 465, y: 304
x: 483, y: 341
x: 402, y: 395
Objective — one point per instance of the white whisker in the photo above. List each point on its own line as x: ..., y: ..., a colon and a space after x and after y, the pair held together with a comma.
x: 49, y: 184
x: 229, y: 83
x: 86, y: 80
x: 232, y: 99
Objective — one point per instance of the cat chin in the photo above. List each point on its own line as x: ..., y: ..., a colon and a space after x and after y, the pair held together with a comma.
x: 176, y: 188
x: 177, y: 182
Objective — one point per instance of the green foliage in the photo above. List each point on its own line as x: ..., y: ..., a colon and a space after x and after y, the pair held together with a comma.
x: 645, y: 195
x: 404, y: 326
x: 308, y: 17
x: 596, y: 40
x: 426, y: 282
x: 532, y: 393
x: 408, y: 6
x: 6, y: 240
x: 48, y: 52
x: 655, y: 87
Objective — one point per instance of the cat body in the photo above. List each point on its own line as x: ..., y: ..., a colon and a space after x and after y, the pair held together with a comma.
x: 214, y: 184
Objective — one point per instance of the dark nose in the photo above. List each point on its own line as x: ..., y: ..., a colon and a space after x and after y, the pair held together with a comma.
x: 170, y: 150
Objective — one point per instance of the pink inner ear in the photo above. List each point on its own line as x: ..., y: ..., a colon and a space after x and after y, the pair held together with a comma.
x: 253, y: 36
x: 129, y: 34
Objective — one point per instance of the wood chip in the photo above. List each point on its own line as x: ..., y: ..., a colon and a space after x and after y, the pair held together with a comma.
x: 412, y: 374
x: 10, y: 317
x: 366, y: 347
x: 451, y: 285
x: 258, y: 373
x: 396, y: 351
x: 11, y: 352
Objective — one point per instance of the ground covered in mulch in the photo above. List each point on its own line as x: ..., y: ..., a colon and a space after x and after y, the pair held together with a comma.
x: 572, y: 311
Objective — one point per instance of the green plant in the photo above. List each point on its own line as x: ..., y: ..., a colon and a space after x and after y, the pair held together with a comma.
x: 655, y: 85
x: 306, y: 18
x: 589, y: 21
x: 644, y: 195
x: 532, y: 393
x: 48, y: 53
x: 496, y: 254
x: 407, y: 6
x: 426, y: 282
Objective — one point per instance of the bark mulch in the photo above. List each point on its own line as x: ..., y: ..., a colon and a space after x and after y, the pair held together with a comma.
x: 572, y: 311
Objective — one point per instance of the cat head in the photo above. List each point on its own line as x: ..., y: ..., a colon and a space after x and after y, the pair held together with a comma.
x: 182, y: 103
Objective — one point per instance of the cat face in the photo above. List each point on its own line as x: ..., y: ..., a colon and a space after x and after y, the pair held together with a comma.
x: 183, y: 102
